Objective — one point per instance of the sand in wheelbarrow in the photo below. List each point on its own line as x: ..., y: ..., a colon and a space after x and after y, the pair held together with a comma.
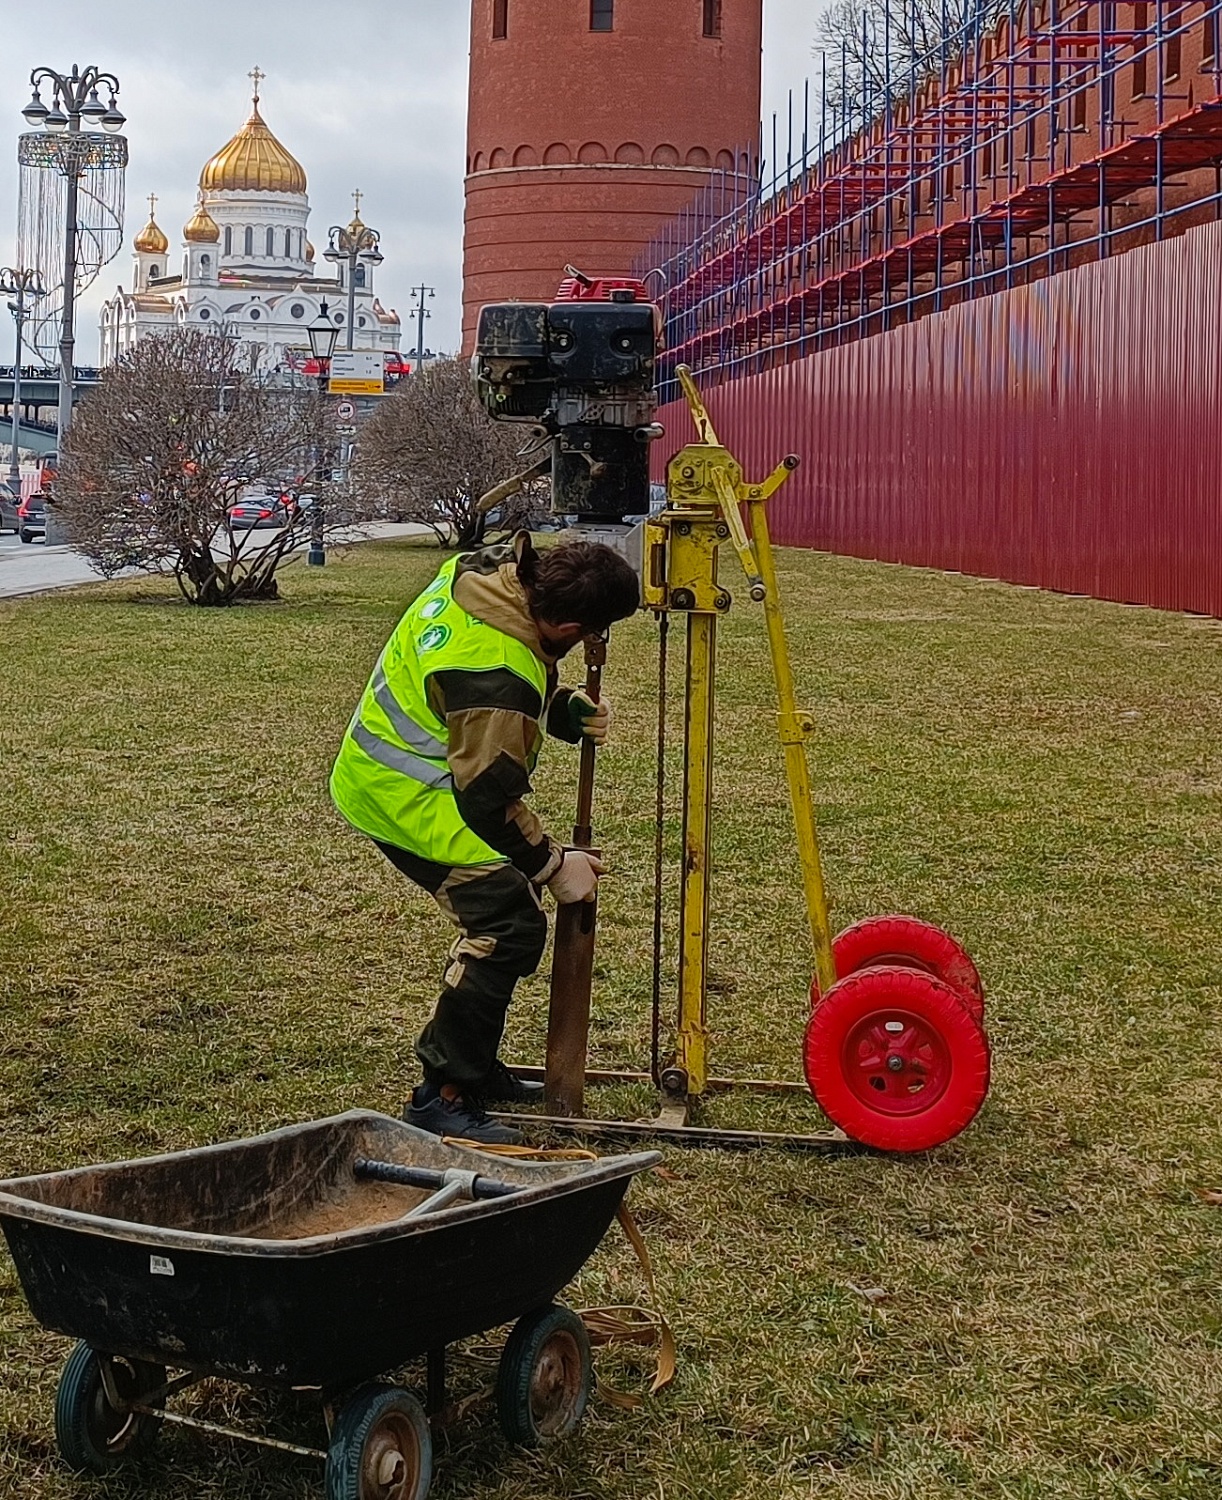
x: 357, y: 1205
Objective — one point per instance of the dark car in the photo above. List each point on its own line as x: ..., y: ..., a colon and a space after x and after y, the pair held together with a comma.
x: 32, y: 518
x: 257, y: 513
x: 10, y: 504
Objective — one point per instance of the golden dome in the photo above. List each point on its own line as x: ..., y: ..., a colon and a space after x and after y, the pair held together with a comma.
x: 309, y: 251
x: 151, y: 240
x: 253, y: 161
x: 203, y: 228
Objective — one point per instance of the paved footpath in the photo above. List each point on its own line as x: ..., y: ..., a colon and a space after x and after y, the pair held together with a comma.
x: 34, y: 568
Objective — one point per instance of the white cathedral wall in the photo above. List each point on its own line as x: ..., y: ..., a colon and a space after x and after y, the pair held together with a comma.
x: 280, y: 213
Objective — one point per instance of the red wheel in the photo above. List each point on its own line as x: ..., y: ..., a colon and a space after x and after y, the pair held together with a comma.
x: 896, y: 1059
x: 907, y: 943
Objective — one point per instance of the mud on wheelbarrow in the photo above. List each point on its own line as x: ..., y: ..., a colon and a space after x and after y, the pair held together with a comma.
x: 315, y: 1258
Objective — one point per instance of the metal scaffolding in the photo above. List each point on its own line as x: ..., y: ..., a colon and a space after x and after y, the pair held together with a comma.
x: 1033, y: 138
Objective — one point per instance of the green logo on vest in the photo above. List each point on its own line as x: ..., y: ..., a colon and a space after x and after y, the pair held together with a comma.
x: 433, y: 608
x: 434, y: 637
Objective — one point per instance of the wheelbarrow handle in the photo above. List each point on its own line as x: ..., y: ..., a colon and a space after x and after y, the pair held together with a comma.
x: 429, y: 1177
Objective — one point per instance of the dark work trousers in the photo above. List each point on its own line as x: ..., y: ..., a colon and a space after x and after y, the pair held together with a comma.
x: 501, y: 933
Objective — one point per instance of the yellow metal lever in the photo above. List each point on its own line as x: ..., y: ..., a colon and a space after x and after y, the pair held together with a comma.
x: 795, y: 726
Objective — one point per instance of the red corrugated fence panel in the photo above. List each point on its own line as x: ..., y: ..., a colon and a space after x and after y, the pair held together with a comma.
x: 1064, y: 434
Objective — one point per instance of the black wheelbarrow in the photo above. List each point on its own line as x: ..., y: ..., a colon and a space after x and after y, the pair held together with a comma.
x: 313, y: 1259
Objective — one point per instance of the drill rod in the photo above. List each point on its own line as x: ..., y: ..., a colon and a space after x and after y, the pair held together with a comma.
x: 568, y: 1019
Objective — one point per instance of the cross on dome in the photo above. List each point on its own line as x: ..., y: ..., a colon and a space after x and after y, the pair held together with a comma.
x: 357, y: 195
x: 256, y: 76
x: 151, y: 240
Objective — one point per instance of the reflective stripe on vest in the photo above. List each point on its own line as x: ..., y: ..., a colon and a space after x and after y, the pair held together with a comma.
x: 404, y: 726
x: 403, y: 761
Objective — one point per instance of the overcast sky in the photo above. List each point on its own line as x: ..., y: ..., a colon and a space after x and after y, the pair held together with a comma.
x: 368, y: 94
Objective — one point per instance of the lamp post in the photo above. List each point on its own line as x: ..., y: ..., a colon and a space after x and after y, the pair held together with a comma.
x: 355, y: 244
x: 419, y: 293
x: 324, y: 336
x: 74, y: 99
x: 23, y: 285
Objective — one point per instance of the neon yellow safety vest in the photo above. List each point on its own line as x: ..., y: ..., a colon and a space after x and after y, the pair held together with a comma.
x: 391, y: 778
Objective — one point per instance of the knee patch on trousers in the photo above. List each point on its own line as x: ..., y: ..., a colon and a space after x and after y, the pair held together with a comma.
x: 466, y: 948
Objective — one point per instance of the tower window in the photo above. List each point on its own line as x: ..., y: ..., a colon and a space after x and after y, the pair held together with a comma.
x: 288, y: 244
x: 250, y: 240
x: 500, y: 20
x: 271, y: 242
x: 602, y: 15
x: 712, y: 17
x: 154, y: 272
x: 228, y: 239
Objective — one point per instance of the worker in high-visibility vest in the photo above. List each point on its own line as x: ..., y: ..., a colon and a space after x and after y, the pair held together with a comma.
x: 435, y: 768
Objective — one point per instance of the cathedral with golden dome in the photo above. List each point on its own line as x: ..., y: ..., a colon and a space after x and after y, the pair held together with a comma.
x: 247, y: 264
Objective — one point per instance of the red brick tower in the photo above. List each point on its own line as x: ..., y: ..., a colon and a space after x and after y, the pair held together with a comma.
x: 591, y: 123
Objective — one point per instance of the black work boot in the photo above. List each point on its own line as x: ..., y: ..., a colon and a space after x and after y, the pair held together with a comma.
x: 503, y: 1087
x: 464, y: 1118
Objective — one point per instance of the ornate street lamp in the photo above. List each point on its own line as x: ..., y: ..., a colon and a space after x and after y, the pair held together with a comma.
x: 419, y: 293
x: 355, y: 244
x: 74, y: 103
x: 64, y: 137
x: 324, y: 336
x: 23, y: 286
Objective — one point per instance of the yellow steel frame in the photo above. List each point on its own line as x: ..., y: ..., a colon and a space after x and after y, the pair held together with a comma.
x: 706, y: 496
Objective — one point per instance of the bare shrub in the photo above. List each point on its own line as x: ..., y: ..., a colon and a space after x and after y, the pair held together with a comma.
x: 177, y: 430
x: 431, y: 452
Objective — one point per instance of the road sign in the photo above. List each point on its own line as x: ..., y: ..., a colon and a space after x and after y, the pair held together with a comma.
x: 345, y: 411
x: 357, y: 372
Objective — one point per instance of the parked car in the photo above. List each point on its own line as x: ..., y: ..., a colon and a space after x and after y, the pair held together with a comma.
x: 257, y: 513
x: 10, y: 504
x: 32, y: 518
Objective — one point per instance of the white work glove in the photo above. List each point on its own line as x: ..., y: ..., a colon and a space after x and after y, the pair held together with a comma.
x: 577, y: 877
x: 591, y: 719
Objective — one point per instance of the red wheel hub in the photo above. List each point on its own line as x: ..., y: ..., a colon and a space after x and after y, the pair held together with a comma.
x: 895, y: 1062
x: 896, y: 1058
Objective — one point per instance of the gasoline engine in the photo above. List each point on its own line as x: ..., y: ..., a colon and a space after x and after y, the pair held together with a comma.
x: 582, y: 370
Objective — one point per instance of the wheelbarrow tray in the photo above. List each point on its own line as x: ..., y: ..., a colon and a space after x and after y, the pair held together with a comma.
x: 266, y: 1261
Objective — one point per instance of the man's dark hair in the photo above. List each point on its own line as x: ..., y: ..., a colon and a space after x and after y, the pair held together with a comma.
x: 583, y: 582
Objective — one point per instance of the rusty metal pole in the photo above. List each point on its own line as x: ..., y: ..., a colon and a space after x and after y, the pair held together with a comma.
x: 568, y: 1020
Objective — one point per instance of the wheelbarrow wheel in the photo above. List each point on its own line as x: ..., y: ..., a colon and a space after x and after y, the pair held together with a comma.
x: 544, y: 1378
x: 93, y: 1436
x: 907, y: 943
x: 381, y: 1448
x: 897, y: 1059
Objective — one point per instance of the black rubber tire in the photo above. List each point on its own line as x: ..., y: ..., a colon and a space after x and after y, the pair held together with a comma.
x: 25, y: 535
x: 372, y: 1429
x: 92, y: 1437
x: 548, y: 1347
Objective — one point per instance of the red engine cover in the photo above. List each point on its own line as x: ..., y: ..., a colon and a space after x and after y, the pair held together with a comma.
x: 600, y: 288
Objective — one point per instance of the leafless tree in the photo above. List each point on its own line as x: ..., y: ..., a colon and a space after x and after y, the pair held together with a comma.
x: 177, y: 430
x: 431, y: 452
x: 870, y: 48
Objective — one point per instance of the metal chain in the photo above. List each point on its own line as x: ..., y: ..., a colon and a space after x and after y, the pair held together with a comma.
x: 659, y: 854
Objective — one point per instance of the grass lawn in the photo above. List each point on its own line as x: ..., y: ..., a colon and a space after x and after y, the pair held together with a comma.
x: 193, y: 946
